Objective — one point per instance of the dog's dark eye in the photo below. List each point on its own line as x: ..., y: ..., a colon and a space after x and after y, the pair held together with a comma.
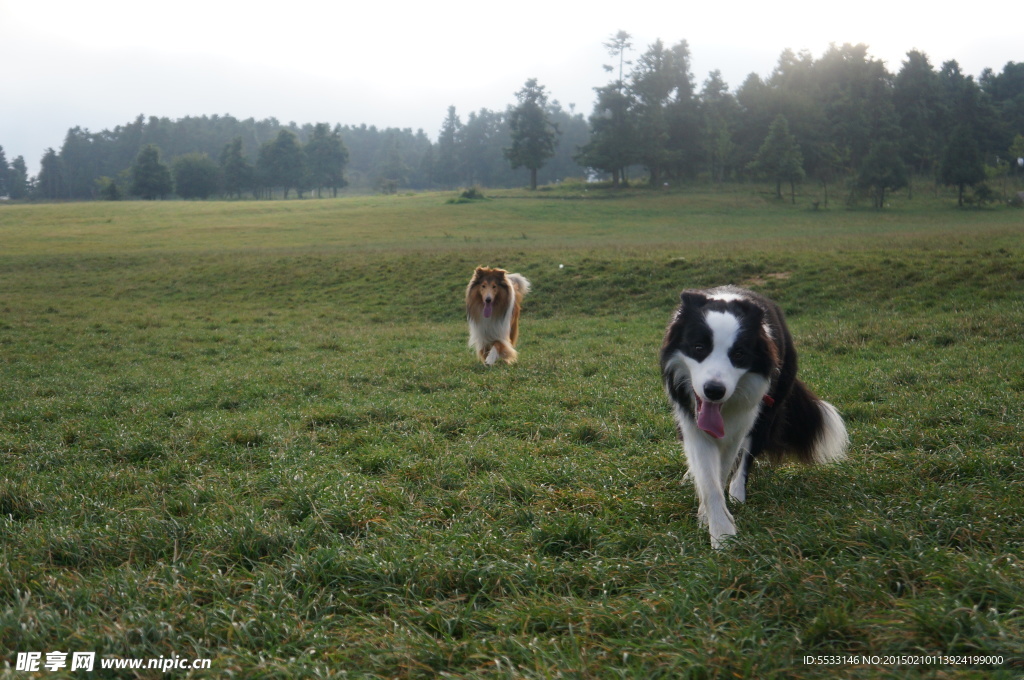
x: 738, y: 355
x: 699, y: 347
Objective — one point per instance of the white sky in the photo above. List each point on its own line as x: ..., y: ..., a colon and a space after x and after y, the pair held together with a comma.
x: 399, y: 63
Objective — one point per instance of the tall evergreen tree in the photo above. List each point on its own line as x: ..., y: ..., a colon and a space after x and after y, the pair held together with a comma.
x: 962, y: 165
x: 1006, y: 92
x: 611, y: 146
x: 664, y: 110
x: 482, y: 141
x: 281, y: 163
x: 779, y: 158
x: 326, y: 157
x: 856, y: 96
x: 573, y: 134
x: 393, y: 170
x: 17, y: 181
x: 50, y: 181
x: 756, y: 101
x: 796, y: 92
x: 81, y: 163
x: 917, y: 99
x: 969, y: 107
x: 151, y: 179
x: 237, y: 173
x: 447, y: 160
x: 653, y: 88
x: 683, y: 114
x: 534, y: 136
x: 882, y: 170
x: 418, y: 154
x: 719, y: 113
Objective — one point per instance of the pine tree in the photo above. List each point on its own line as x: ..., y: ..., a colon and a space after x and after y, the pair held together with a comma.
x: 50, y: 180
x: 612, y: 145
x: 236, y: 170
x: 151, y: 179
x: 920, y: 108
x: 779, y: 158
x: 281, y: 163
x: 326, y: 157
x: 962, y: 165
x: 719, y: 111
x: 18, y: 185
x: 882, y: 169
x: 652, y: 88
x: 447, y: 164
x: 534, y: 136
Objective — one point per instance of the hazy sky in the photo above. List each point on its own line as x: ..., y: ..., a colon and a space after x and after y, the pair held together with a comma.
x: 401, y: 63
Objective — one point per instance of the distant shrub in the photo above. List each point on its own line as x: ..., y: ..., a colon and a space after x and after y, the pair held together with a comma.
x: 577, y: 184
x: 468, y: 196
x: 108, y: 189
x: 983, y: 194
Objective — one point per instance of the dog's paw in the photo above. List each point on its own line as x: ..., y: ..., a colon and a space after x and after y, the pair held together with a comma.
x: 722, y: 527
x: 721, y: 541
x: 492, y: 357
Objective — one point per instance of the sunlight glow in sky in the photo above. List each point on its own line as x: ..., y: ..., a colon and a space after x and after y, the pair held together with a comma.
x: 401, y: 64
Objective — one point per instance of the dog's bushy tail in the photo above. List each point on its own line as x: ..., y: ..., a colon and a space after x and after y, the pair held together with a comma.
x: 813, y: 430
x: 832, y: 441
x: 521, y: 285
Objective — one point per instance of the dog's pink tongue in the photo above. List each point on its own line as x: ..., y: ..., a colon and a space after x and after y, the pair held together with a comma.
x: 709, y: 419
x: 488, y: 308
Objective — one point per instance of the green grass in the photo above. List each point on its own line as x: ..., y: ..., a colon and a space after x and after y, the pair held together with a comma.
x: 253, y: 432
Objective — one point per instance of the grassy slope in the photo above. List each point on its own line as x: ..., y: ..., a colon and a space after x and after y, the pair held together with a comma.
x: 252, y: 432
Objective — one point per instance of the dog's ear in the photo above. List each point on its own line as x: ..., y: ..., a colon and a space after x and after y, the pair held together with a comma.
x: 693, y: 299
x: 752, y: 310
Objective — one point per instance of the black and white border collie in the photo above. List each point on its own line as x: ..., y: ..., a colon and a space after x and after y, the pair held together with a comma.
x: 729, y: 369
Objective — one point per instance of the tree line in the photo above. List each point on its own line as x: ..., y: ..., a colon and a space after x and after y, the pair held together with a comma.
x: 842, y: 117
x: 262, y: 158
x: 841, y: 120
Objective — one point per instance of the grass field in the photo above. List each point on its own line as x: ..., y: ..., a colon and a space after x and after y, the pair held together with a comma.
x: 253, y: 433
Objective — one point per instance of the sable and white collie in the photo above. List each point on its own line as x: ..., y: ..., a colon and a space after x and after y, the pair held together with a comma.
x: 493, y: 301
x: 729, y: 369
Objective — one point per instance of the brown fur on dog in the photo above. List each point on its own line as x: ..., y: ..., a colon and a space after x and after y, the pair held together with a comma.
x: 493, y: 303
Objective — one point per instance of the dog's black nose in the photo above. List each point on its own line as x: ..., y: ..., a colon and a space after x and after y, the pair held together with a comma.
x: 714, y: 390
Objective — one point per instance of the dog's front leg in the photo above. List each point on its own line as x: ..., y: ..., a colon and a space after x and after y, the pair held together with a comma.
x: 705, y: 462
